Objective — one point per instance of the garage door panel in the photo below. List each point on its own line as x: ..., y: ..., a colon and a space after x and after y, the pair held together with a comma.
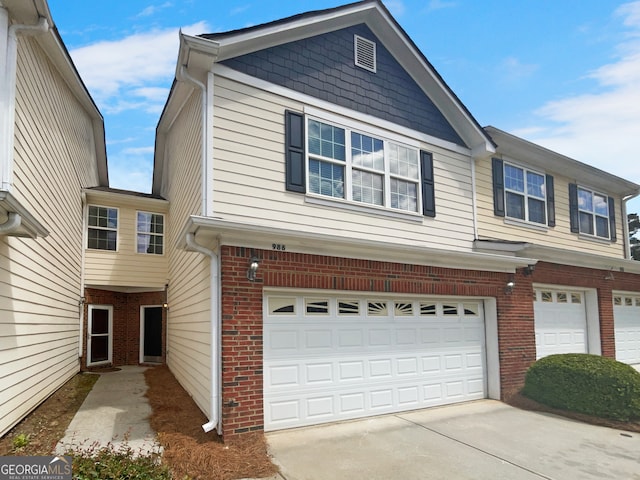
x: 355, y: 366
x: 560, y: 322
x: 626, y: 313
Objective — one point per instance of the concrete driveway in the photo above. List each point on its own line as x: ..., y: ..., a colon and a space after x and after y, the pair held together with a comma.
x: 475, y: 441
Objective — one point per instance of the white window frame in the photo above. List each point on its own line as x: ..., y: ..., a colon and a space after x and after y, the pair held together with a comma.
x: 109, y: 334
x: 525, y: 195
x: 593, y: 213
x: 151, y: 234
x: 349, y: 167
x: 107, y: 229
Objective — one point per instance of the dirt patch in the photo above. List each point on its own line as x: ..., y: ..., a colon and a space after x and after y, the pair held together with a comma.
x: 188, y: 450
x: 520, y: 401
x: 41, y: 430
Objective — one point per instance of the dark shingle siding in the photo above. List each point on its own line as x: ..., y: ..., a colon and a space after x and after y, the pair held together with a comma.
x: 323, y: 67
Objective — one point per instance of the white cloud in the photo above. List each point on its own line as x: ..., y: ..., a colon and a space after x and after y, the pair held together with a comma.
x: 600, y: 128
x: 512, y: 70
x: 113, y: 69
x: 440, y: 4
x: 396, y: 7
x: 152, y: 9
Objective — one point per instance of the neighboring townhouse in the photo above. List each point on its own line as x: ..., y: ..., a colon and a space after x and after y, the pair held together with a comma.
x: 125, y: 278
x: 536, y: 203
x: 320, y: 179
x: 51, y: 147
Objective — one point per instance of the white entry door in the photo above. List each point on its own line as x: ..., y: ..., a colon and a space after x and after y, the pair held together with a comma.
x: 332, y: 358
x: 626, y: 314
x: 560, y: 322
x: 100, y: 334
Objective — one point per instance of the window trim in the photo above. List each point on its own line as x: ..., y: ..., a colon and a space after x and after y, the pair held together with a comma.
x: 162, y: 235
x: 95, y: 227
x: 387, y: 138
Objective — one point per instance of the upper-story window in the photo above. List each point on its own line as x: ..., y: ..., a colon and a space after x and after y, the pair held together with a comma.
x: 525, y: 194
x: 593, y: 211
x: 359, y: 167
x: 102, y: 228
x: 327, y: 159
x: 150, y: 233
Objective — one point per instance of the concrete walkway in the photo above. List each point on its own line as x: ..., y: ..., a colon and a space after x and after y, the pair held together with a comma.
x: 114, y: 413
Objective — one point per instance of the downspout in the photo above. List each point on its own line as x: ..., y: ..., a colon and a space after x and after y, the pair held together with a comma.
x: 8, y: 69
x: 214, y: 421
x: 474, y: 209
x: 625, y: 225
x: 82, y: 272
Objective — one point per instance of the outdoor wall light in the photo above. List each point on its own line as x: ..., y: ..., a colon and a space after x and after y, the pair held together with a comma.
x: 529, y: 269
x: 510, y: 285
x: 254, y: 263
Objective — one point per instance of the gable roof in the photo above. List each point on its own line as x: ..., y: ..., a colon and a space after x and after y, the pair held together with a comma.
x: 198, y: 54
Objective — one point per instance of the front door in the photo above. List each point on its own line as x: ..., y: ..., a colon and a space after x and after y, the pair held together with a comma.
x: 100, y: 344
x: 151, y: 334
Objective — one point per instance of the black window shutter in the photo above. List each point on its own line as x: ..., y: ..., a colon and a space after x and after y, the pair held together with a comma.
x: 551, y: 202
x: 573, y: 208
x: 428, y: 189
x: 294, y: 156
x: 498, y: 187
x: 612, y: 219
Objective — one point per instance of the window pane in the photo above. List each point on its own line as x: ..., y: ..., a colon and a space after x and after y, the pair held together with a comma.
x: 403, y: 161
x: 367, y: 187
x: 602, y: 227
x: 535, y: 185
x: 99, y: 321
x: 586, y: 223
x: 326, y: 140
x: 601, y: 205
x: 404, y: 195
x: 513, y: 178
x: 537, y: 211
x: 99, y: 349
x: 367, y: 151
x: 584, y: 200
x: 326, y: 178
x: 515, y: 205
x: 101, y: 239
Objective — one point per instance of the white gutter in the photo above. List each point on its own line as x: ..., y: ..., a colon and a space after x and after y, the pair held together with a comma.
x: 82, y: 272
x: 474, y: 198
x: 8, y: 90
x: 11, y: 225
x: 216, y: 371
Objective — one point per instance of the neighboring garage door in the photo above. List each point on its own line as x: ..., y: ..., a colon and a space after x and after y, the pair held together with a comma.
x: 338, y: 357
x: 561, y: 322
x: 626, y: 314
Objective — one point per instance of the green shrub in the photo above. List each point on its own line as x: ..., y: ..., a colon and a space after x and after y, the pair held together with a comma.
x: 108, y: 463
x: 585, y: 383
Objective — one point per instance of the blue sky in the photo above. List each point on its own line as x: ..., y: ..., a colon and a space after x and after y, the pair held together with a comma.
x: 561, y: 73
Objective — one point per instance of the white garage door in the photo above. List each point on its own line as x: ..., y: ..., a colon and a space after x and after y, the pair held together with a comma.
x: 626, y: 314
x: 337, y: 358
x: 561, y: 322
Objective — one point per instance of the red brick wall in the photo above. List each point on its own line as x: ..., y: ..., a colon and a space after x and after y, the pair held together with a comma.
x: 126, y: 322
x: 242, y: 315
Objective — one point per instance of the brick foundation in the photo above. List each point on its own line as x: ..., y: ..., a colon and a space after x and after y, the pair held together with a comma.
x: 126, y: 323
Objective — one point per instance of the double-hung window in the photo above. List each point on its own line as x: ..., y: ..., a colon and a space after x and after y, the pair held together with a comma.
x: 359, y: 167
x: 150, y: 233
x: 102, y: 231
x: 525, y: 194
x: 593, y: 211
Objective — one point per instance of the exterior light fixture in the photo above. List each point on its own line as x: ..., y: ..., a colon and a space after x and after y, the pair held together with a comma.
x: 254, y: 263
x: 529, y: 269
x: 509, y: 288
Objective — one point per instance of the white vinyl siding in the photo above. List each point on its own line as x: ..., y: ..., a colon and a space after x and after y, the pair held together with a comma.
x: 560, y: 236
x: 189, y: 326
x: 249, y: 180
x: 125, y: 267
x: 40, y: 279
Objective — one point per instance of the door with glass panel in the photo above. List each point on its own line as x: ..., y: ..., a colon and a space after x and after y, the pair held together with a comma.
x: 100, y: 334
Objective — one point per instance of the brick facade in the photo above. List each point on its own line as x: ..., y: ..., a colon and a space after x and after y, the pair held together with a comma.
x: 126, y: 323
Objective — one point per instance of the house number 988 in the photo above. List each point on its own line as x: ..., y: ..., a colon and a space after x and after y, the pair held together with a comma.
x: 278, y: 246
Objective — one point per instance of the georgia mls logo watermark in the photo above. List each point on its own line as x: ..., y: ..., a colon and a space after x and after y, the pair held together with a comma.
x: 35, y: 468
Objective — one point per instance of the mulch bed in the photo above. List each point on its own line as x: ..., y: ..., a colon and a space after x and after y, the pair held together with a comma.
x: 188, y: 450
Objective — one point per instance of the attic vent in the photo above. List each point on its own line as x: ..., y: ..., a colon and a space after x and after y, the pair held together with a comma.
x: 365, y: 53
